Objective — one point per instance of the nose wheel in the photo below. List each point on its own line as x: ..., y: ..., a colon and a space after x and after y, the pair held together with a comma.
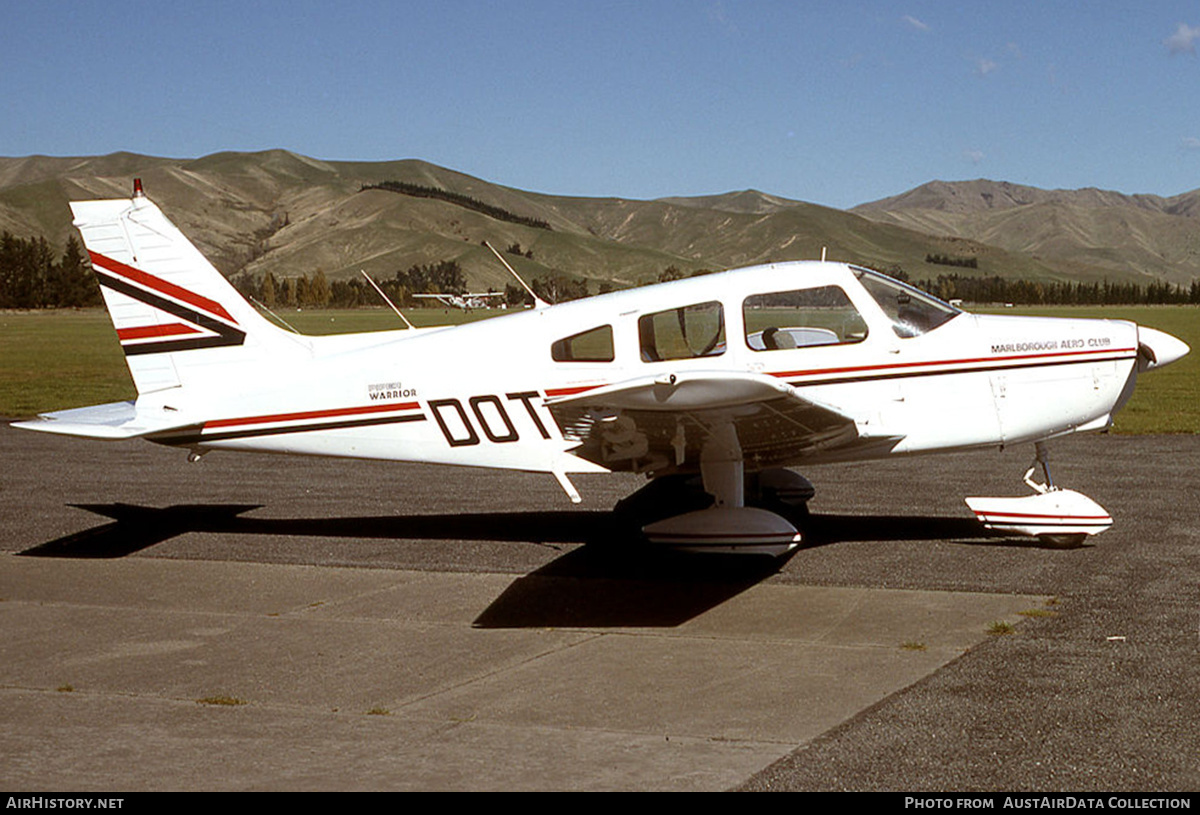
x: 1060, y: 518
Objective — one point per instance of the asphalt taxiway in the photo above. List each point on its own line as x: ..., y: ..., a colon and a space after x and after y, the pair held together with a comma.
x: 253, y: 622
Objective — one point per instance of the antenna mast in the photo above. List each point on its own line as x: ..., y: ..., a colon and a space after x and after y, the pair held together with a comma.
x: 385, y: 298
x: 537, y: 301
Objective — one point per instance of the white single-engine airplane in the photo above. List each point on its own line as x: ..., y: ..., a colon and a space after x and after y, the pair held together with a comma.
x: 729, y: 377
x: 466, y: 302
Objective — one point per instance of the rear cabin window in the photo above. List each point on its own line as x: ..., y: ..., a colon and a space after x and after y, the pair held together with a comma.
x: 801, y: 318
x: 595, y: 345
x: 683, y: 333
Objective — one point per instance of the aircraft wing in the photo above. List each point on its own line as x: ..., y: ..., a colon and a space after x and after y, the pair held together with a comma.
x: 113, y: 421
x: 661, y: 424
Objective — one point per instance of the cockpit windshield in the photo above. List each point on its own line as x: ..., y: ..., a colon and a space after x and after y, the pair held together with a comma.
x: 912, y: 311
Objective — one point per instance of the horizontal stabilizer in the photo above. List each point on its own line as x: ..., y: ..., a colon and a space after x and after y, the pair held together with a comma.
x: 114, y: 421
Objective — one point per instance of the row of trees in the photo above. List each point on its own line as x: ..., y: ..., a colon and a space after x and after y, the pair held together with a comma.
x: 32, y: 276
x: 458, y: 199
x: 443, y: 277
x: 947, y: 260
x: 1030, y: 292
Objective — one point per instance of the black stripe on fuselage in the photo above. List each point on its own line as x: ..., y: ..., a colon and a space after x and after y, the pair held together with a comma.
x: 954, y: 371
x: 194, y: 438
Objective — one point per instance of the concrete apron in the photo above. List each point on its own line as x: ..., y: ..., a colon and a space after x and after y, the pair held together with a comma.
x: 154, y: 674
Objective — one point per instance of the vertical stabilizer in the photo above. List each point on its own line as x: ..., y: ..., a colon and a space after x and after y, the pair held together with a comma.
x: 174, y: 313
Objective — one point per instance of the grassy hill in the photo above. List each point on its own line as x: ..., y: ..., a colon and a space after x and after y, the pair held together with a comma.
x: 289, y: 214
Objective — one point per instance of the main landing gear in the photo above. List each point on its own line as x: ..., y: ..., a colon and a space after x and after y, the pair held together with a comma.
x: 1060, y: 518
x: 676, y: 512
x: 713, y: 515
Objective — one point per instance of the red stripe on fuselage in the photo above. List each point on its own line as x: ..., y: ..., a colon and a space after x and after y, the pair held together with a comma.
x: 995, y: 362
x: 570, y: 391
x: 310, y: 414
x: 971, y: 361
x: 161, y: 286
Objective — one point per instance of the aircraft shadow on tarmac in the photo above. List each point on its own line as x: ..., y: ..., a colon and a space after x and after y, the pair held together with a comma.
x: 610, y: 581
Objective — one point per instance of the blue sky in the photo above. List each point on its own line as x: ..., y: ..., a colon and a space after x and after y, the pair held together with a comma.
x: 834, y: 103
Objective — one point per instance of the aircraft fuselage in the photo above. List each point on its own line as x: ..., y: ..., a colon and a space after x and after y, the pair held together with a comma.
x: 475, y: 394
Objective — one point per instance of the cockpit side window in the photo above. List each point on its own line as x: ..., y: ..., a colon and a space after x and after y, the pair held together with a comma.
x: 594, y: 345
x: 683, y: 333
x: 822, y: 315
x: 912, y: 311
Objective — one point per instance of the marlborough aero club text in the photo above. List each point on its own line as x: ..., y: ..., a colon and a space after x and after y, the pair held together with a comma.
x: 1051, y: 345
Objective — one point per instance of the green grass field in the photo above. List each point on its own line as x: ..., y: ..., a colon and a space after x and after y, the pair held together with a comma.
x: 51, y: 360
x: 59, y: 359
x: 348, y: 321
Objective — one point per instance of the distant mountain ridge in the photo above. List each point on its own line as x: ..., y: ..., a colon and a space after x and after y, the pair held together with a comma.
x: 1148, y: 235
x: 289, y: 214
x: 982, y: 194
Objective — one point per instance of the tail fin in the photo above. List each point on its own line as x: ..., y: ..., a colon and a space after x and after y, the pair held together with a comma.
x: 174, y: 313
